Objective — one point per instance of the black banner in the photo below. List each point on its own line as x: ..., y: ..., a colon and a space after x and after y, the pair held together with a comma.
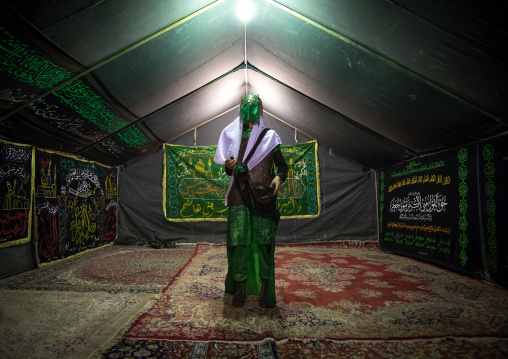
x: 75, y: 205
x: 15, y: 193
x: 427, y: 210
x: 493, y: 174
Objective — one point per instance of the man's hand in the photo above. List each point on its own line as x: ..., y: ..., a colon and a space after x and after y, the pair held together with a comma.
x: 231, y: 163
x: 275, y: 184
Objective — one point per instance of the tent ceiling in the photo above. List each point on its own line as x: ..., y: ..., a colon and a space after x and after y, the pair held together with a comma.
x: 379, y: 82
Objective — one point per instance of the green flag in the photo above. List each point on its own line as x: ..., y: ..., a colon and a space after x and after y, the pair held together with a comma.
x: 195, y: 187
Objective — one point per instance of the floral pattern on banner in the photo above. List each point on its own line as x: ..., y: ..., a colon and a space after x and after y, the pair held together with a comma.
x: 326, y: 291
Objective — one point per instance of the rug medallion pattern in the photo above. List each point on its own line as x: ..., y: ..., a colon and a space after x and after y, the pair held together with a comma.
x: 326, y: 292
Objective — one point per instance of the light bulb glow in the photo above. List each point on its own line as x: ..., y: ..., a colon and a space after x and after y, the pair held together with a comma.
x: 244, y: 10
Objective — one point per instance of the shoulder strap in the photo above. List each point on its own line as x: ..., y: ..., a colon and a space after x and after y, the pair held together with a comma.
x: 260, y: 137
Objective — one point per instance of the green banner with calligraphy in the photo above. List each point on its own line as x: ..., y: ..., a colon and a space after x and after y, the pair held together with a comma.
x: 195, y: 186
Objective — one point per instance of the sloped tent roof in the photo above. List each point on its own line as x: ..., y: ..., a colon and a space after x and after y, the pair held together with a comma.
x: 379, y: 82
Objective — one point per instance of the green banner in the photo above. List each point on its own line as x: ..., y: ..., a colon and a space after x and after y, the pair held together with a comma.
x: 195, y: 186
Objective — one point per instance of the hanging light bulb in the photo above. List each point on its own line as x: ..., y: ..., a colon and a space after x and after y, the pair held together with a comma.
x: 245, y: 9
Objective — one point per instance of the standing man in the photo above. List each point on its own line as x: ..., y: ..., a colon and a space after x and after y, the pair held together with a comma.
x: 251, y: 232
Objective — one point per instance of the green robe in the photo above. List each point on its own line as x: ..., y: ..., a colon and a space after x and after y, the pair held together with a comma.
x: 251, y: 233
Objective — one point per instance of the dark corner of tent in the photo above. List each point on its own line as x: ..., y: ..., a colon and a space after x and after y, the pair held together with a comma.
x: 392, y: 117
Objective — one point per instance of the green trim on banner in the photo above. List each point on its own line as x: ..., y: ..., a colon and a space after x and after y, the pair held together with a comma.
x: 299, y: 195
x: 463, y: 206
x: 194, y: 187
x: 490, y: 206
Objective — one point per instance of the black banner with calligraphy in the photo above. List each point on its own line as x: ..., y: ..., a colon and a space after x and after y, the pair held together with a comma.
x: 75, y: 205
x: 493, y: 174
x: 16, y: 185
x: 427, y: 210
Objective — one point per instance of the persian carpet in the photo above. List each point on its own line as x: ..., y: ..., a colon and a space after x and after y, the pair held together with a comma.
x: 151, y: 348
x: 477, y: 348
x: 415, y: 349
x: 54, y: 324
x: 113, y: 269
x: 327, y: 291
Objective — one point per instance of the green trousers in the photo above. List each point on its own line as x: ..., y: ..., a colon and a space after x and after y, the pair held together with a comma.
x: 250, y: 251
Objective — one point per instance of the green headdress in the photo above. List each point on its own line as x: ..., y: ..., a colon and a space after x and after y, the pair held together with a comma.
x: 251, y: 108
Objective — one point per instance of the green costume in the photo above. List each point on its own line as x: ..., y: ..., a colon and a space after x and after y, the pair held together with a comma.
x: 250, y: 249
x: 251, y: 233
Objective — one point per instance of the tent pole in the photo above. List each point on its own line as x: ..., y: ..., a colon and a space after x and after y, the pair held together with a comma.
x: 245, y: 57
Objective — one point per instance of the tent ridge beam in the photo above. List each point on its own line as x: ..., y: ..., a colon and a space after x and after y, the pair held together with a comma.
x: 109, y: 59
x: 388, y: 61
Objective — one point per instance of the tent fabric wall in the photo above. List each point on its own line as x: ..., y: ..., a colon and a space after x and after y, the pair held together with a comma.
x: 348, y: 208
x: 16, y: 259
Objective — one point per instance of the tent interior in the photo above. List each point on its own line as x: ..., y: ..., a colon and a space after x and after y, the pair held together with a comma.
x: 376, y: 84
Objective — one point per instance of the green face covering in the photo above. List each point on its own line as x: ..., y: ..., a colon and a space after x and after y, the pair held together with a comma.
x: 250, y: 108
x: 249, y: 112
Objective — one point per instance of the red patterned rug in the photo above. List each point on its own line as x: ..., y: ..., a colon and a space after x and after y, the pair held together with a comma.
x: 327, y: 291
x: 113, y: 269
